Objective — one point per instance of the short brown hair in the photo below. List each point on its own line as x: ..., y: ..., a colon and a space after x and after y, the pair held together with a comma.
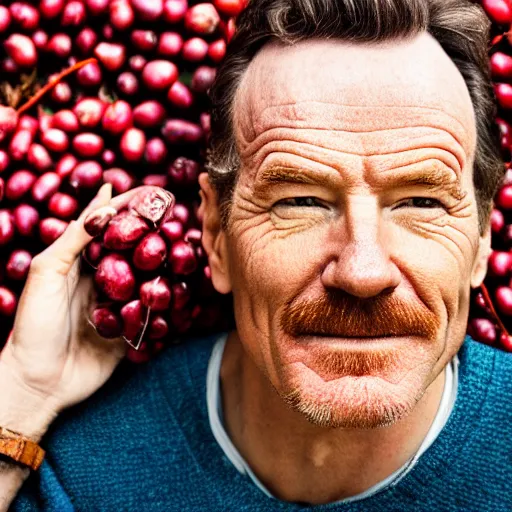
x: 461, y: 28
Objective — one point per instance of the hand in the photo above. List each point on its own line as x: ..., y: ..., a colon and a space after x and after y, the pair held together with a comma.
x: 54, y: 356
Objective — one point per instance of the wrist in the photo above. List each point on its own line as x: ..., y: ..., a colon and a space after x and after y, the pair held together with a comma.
x: 21, y: 409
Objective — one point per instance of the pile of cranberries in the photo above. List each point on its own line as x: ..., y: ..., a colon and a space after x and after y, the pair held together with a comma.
x: 114, y: 91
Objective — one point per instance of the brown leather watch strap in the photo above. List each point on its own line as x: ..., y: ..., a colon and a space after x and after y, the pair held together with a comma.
x: 20, y: 449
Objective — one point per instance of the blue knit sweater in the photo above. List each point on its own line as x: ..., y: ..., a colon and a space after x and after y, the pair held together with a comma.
x: 143, y: 443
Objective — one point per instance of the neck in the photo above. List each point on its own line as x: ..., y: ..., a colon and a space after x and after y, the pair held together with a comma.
x: 300, y: 462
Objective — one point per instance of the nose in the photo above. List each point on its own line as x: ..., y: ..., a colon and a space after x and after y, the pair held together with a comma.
x: 361, y: 264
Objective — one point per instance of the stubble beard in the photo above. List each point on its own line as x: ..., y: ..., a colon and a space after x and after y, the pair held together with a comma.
x: 358, y: 398
x: 375, y: 413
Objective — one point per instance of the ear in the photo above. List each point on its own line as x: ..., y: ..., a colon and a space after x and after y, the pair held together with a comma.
x: 479, y: 270
x: 214, y: 237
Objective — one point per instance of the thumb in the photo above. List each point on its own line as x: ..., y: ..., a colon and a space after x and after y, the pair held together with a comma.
x: 42, y: 317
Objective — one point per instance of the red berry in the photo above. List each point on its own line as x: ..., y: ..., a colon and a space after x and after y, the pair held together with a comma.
x: 482, y: 329
x: 230, y: 7
x: 497, y: 221
x: 506, y: 342
x: 504, y: 197
x: 202, y: 18
x: 500, y: 263
x: 500, y: 11
x: 8, y: 302
x: 504, y: 299
x: 504, y: 95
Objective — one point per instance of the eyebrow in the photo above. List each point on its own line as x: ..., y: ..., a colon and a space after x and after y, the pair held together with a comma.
x: 282, y: 174
x: 436, y: 177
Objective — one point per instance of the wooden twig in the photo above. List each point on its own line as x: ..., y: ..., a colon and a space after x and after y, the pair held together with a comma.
x: 52, y: 83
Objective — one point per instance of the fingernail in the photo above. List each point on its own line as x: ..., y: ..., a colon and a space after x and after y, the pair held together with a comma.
x: 96, y: 221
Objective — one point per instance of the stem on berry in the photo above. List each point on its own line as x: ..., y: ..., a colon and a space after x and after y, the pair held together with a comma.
x: 488, y: 300
x: 52, y: 83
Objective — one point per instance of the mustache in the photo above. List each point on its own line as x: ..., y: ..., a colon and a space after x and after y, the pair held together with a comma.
x: 339, y: 314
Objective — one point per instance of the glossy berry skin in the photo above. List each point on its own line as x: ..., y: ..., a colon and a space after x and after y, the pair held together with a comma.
x: 500, y: 263
x: 501, y: 66
x: 8, y: 302
x: 504, y: 198
x: 506, y: 342
x: 500, y: 11
x: 483, y: 330
x: 150, y: 253
x: 497, y: 221
x: 504, y: 300
x: 230, y: 7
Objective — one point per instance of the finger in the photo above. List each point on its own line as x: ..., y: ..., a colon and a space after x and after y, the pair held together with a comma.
x: 121, y: 201
x: 61, y: 255
x: 117, y: 203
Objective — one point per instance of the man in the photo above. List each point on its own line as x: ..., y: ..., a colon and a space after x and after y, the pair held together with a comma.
x: 352, y: 172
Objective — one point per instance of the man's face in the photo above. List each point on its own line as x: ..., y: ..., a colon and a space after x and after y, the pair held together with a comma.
x: 353, y: 236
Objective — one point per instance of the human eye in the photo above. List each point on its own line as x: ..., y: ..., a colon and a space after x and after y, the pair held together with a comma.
x: 421, y: 202
x: 301, y: 202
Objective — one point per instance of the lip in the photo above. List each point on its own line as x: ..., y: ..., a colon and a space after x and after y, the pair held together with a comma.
x: 348, y: 337
x: 352, y: 341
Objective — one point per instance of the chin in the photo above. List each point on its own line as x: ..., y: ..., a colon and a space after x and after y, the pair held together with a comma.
x: 352, y: 402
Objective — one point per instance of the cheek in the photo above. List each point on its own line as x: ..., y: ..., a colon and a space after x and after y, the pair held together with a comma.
x: 276, y: 266
x: 268, y: 269
x: 437, y: 261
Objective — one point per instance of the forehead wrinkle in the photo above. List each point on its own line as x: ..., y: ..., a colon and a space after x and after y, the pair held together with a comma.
x: 340, y: 139
x: 332, y: 153
x: 349, y: 118
x: 301, y: 110
x: 349, y: 123
x: 271, y: 94
x: 383, y: 163
x: 433, y: 130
